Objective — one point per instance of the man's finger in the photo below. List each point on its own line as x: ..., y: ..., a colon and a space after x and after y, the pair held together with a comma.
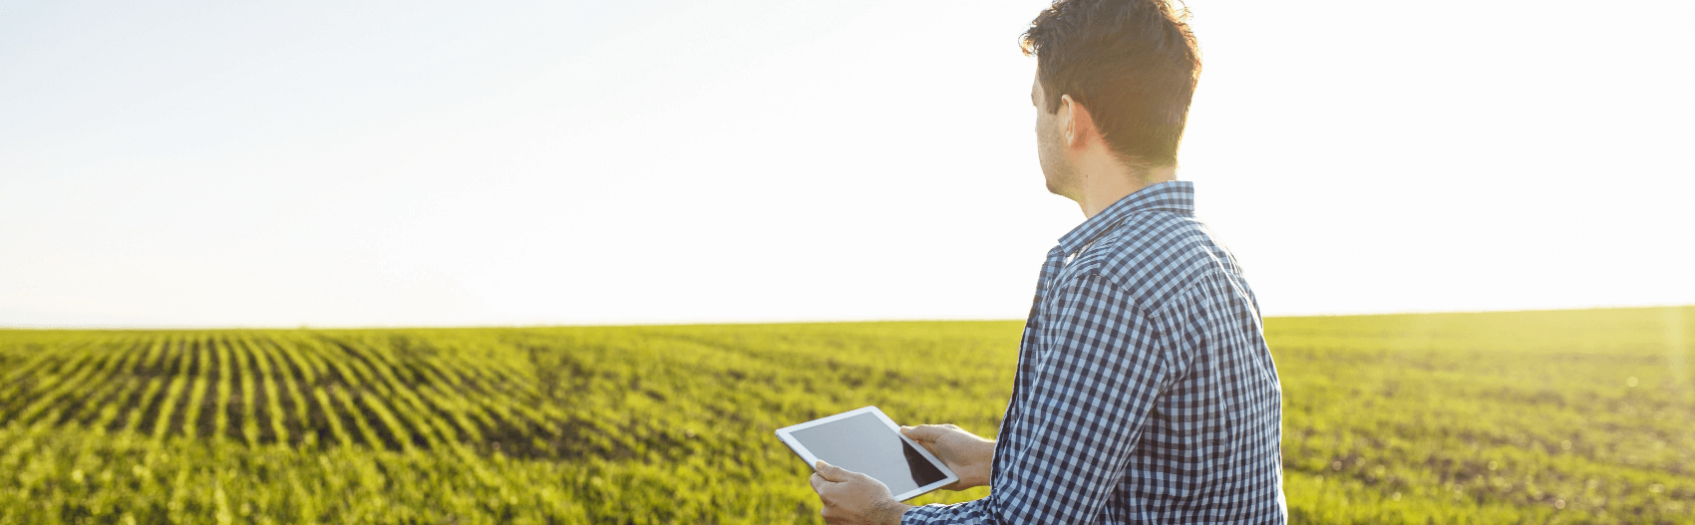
x: 817, y: 481
x: 921, y: 432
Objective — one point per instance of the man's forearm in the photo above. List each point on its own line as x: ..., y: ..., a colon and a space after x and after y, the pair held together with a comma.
x: 892, y: 513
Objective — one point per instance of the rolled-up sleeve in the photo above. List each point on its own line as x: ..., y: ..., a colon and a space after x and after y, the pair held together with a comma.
x: 1097, y: 370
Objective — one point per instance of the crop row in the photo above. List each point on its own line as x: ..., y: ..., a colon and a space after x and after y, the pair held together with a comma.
x: 287, y: 389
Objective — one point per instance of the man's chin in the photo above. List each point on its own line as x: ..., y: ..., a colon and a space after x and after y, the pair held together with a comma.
x: 1053, y: 188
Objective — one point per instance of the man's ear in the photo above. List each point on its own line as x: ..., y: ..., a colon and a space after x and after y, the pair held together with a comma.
x: 1077, y: 125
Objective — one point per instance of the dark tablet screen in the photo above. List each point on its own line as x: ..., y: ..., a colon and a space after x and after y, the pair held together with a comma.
x: 864, y: 444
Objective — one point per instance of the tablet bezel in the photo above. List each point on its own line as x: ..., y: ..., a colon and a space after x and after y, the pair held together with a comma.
x: 787, y: 435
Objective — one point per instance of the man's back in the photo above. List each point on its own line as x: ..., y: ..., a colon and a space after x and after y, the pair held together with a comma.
x: 1214, y: 428
x: 1145, y: 390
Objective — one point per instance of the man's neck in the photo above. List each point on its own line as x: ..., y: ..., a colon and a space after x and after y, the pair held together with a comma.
x: 1105, y: 186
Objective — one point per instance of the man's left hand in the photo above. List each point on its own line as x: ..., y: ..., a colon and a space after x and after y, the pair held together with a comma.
x: 851, y: 498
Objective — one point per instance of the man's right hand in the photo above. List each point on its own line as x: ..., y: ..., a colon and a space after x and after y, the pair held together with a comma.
x: 964, y: 453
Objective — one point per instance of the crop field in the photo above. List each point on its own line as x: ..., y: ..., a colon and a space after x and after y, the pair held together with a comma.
x: 1523, y: 417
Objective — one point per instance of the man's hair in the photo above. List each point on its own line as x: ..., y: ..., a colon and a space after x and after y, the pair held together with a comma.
x: 1132, y: 63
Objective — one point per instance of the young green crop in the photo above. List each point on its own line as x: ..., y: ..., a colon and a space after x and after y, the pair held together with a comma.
x: 1528, y: 417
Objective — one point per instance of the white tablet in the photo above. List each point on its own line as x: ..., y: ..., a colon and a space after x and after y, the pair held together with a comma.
x: 865, y: 440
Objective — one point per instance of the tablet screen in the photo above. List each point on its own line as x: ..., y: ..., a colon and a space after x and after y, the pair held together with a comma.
x: 864, y: 444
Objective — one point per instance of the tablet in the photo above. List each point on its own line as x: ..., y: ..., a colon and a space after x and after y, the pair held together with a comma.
x: 865, y: 440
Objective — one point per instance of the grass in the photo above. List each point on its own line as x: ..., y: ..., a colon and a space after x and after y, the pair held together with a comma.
x: 1528, y: 417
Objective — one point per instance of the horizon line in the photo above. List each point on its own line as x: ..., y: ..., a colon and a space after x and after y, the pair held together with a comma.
x: 307, y: 326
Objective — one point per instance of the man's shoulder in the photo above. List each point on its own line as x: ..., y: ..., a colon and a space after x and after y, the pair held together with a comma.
x: 1154, y: 256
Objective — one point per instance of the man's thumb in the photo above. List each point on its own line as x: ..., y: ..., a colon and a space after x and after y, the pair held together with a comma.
x: 831, y: 472
x: 920, y: 433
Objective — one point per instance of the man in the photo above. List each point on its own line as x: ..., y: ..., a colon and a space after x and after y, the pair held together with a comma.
x: 1145, y: 392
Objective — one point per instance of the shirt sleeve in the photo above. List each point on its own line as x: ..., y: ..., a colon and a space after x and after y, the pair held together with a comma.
x: 1098, y: 371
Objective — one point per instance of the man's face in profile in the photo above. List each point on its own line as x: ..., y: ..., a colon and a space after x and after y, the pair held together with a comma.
x: 1049, y: 144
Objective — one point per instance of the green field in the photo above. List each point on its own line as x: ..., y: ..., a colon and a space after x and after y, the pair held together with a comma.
x: 1535, y: 417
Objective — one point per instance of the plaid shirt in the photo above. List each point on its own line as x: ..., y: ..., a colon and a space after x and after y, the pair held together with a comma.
x: 1145, y: 391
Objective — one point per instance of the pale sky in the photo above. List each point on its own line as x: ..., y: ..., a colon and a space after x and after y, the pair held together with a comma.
x: 352, y: 163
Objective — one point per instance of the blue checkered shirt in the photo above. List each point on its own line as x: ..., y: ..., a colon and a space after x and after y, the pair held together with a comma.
x: 1145, y: 391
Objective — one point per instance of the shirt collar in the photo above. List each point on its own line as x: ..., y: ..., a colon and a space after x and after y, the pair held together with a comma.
x: 1177, y: 196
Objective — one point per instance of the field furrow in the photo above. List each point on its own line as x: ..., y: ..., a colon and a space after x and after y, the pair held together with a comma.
x: 348, y: 389
x: 109, y: 398
x: 364, y: 421
x: 320, y: 413
x: 265, y: 420
x: 197, y: 420
x: 291, y: 413
x: 64, y: 392
x: 165, y: 410
x: 40, y: 361
x: 334, y: 420
x: 223, y: 412
x: 426, y: 423
x: 154, y: 372
x: 373, y: 389
x: 83, y: 408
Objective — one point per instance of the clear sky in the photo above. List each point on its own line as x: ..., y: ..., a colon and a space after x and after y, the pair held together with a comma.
x: 341, y: 163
